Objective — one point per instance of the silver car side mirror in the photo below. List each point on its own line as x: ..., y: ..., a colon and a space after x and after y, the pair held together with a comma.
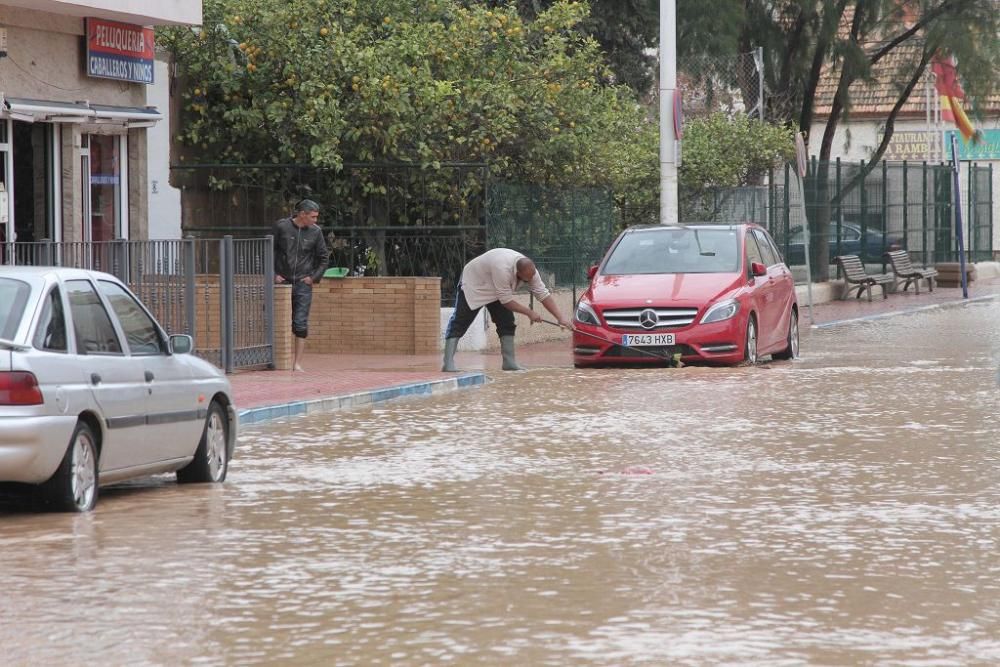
x: 181, y: 344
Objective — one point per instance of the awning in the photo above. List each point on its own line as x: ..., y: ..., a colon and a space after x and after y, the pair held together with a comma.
x: 35, y: 111
x: 20, y: 108
x: 131, y: 116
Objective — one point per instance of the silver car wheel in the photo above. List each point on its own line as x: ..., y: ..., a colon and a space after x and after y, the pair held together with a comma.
x: 211, y: 459
x: 215, y: 445
x: 793, y: 336
x: 84, y: 476
x: 750, y: 356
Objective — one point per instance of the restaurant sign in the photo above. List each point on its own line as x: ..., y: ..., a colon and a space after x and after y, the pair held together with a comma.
x: 914, y: 146
x: 120, y: 51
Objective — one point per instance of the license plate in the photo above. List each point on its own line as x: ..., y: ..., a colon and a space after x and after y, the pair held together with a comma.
x: 652, y: 340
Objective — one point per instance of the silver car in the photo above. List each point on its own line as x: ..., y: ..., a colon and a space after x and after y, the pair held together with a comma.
x: 92, y: 391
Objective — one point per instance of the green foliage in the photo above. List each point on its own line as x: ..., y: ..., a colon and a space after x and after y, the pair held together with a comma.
x: 322, y: 82
x: 728, y: 152
x: 625, y: 29
x: 864, y: 40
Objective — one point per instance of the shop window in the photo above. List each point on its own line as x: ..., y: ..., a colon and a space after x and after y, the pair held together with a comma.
x: 105, y: 187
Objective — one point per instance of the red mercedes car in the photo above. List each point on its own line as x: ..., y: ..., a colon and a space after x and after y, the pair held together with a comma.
x: 717, y: 294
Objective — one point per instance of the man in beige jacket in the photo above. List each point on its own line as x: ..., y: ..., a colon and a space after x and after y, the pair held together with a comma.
x: 490, y: 280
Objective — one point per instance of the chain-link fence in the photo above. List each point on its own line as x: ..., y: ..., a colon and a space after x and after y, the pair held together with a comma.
x: 713, y: 84
x: 563, y: 230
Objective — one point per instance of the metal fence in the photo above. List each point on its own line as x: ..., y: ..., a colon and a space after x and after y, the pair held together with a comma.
x: 381, y: 219
x: 563, y: 230
x: 219, y: 291
x: 405, y: 219
x: 245, y: 200
x: 868, y: 211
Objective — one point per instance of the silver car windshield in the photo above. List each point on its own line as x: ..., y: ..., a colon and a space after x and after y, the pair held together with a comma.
x: 682, y: 250
x: 13, y: 296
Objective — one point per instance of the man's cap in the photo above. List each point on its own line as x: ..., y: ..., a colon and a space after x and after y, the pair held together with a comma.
x: 307, y: 206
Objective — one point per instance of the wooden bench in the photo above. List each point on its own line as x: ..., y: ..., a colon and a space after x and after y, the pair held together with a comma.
x: 856, y: 278
x: 904, y: 270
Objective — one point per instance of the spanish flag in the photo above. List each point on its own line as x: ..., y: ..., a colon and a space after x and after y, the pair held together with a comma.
x: 951, y: 93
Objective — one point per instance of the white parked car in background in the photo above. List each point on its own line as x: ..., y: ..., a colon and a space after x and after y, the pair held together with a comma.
x: 92, y: 391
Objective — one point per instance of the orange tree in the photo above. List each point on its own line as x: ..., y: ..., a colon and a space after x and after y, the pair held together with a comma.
x: 723, y: 153
x: 323, y: 82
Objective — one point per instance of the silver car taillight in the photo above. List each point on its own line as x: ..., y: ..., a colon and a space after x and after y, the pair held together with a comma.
x: 19, y: 388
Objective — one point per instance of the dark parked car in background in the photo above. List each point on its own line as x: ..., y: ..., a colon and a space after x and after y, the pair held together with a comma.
x: 875, y: 243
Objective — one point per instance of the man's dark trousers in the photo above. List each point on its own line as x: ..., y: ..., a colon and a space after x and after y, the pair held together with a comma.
x: 302, y: 294
x: 463, y: 317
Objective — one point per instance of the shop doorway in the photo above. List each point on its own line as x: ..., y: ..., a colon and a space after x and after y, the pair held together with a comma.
x: 34, y: 174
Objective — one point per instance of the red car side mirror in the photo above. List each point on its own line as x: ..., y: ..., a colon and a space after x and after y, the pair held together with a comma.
x: 758, y: 269
x: 591, y: 271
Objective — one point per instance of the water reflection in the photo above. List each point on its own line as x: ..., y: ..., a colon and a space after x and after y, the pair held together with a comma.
x: 842, y: 509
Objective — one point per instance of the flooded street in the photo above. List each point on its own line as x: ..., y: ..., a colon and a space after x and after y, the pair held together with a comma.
x: 842, y: 509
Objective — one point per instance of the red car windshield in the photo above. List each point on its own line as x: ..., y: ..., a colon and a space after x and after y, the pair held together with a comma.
x: 676, y: 250
x: 13, y: 295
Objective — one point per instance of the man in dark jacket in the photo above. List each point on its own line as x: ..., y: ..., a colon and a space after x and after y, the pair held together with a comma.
x: 300, y: 258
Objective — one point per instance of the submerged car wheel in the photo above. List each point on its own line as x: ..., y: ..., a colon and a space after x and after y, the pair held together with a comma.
x: 792, y: 351
x: 211, y: 461
x: 750, y: 347
x: 73, y: 487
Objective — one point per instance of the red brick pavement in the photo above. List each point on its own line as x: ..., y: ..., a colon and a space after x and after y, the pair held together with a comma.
x: 340, y: 375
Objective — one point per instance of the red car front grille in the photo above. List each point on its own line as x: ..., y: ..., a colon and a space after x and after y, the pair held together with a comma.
x: 665, y: 318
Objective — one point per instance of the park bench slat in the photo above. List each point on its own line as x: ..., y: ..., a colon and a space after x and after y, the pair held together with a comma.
x: 856, y: 278
x: 904, y: 270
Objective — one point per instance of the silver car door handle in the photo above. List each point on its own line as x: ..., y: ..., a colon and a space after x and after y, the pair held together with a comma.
x: 149, y: 376
x: 95, y: 378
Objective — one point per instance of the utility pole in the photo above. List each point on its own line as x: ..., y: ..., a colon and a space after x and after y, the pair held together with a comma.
x: 667, y: 90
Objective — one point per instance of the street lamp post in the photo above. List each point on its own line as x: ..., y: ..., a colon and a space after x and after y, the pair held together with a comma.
x: 667, y: 90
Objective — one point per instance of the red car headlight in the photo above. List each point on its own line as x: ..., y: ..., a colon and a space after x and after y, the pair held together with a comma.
x: 586, y: 315
x: 721, y: 311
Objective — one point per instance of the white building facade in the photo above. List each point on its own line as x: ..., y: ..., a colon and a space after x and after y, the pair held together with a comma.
x: 83, y: 136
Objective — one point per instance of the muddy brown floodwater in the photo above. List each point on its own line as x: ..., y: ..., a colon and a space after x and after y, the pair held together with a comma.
x: 843, y: 509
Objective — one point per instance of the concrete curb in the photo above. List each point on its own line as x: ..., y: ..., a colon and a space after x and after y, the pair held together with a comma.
x: 908, y: 311
x: 252, y: 416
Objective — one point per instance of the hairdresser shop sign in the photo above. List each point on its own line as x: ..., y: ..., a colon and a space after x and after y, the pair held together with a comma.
x: 120, y: 51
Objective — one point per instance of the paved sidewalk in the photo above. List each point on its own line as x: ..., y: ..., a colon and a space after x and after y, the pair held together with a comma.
x: 832, y: 313
x: 334, y: 382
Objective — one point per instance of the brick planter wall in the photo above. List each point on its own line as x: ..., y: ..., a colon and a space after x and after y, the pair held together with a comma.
x: 365, y: 316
